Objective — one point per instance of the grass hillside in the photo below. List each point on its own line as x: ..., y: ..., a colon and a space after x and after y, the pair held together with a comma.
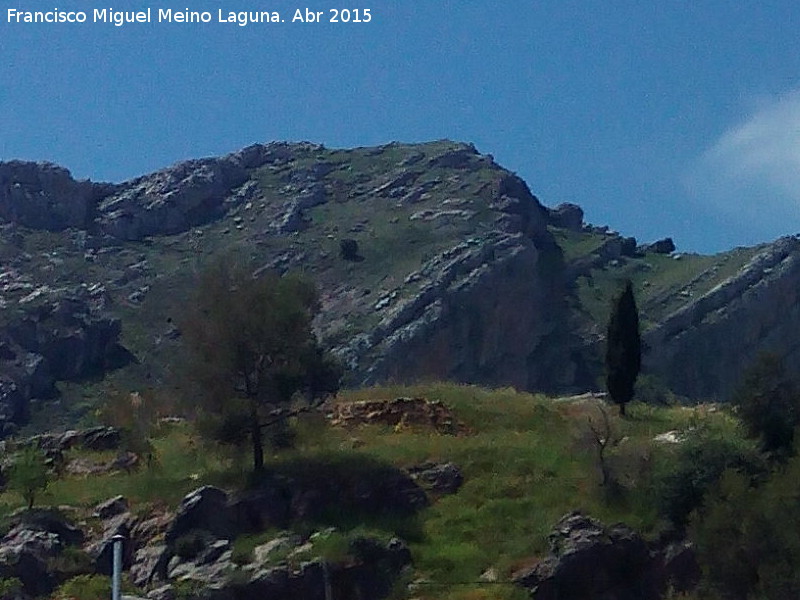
x: 663, y: 283
x: 526, y: 460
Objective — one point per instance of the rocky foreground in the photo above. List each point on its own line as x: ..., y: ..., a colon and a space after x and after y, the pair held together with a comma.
x: 189, y: 553
x: 274, y: 539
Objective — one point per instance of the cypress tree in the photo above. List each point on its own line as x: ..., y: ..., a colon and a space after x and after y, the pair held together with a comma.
x: 624, y: 348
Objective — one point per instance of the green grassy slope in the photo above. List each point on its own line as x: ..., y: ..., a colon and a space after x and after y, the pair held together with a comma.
x: 662, y: 283
x: 527, y: 461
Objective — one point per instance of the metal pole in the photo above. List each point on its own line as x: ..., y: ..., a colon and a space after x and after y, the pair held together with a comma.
x: 327, y: 580
x: 117, y: 573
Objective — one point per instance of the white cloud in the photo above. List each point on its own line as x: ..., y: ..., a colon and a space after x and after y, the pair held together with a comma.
x: 752, y: 172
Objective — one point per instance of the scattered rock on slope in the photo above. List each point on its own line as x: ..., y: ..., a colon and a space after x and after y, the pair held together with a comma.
x: 592, y: 561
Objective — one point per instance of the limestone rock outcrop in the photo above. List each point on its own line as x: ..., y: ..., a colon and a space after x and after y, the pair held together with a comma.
x: 567, y: 216
x: 45, y: 196
x: 187, y: 194
x: 56, y: 334
x: 591, y: 561
x: 702, y: 348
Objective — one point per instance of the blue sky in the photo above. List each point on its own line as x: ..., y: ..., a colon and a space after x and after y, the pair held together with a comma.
x: 659, y: 118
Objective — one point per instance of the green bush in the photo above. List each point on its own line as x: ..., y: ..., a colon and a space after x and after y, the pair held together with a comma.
x: 332, y: 546
x: 768, y: 402
x: 191, y: 544
x: 244, y: 545
x: 747, y: 539
x: 649, y: 389
x: 29, y: 474
x: 89, y: 587
x: 10, y: 588
x: 187, y: 589
x: 683, y: 479
x: 71, y: 562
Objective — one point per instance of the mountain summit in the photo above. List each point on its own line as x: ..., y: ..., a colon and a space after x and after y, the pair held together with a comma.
x: 433, y: 262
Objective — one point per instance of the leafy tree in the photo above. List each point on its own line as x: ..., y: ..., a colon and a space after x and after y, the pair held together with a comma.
x: 29, y: 474
x: 746, y: 537
x: 252, y: 351
x: 697, y: 464
x: 348, y: 249
x: 768, y: 403
x: 624, y: 349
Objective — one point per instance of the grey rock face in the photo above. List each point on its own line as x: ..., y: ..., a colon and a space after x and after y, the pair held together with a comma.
x: 24, y: 554
x: 370, y: 573
x: 758, y: 308
x: 45, y: 196
x: 484, y: 312
x: 185, y: 195
x: 170, y: 201
x: 62, y: 334
x: 102, y: 550
x: 204, y: 509
x: 101, y: 438
x: 149, y: 564
x: 35, y: 538
x: 48, y: 521
x: 520, y: 210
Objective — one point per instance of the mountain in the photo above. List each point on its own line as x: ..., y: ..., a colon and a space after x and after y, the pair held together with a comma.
x: 433, y: 262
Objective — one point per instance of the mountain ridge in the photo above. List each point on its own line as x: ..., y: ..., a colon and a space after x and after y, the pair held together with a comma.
x: 462, y: 273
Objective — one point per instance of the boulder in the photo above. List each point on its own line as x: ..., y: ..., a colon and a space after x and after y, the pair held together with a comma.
x: 382, y: 490
x: 111, y: 507
x: 164, y: 592
x: 439, y: 478
x: 628, y: 247
x: 261, y: 508
x: 101, y: 438
x: 25, y: 554
x: 312, y: 490
x: 663, y: 246
x: 567, y: 216
x: 591, y: 561
x: 369, y: 572
x: 211, y: 565
x: 36, y: 538
x: 282, y: 544
x: 48, y: 521
x: 149, y: 564
x: 102, y: 550
x: 125, y: 461
x: 205, y: 509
